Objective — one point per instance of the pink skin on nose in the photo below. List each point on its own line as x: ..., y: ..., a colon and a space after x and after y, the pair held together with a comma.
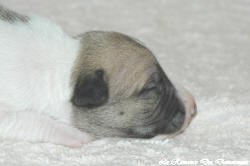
x: 190, y: 106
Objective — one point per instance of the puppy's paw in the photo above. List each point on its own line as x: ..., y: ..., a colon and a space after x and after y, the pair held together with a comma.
x: 33, y: 127
x: 68, y: 136
x: 73, y: 141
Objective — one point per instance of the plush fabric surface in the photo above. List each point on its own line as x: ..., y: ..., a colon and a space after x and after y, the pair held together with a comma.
x: 203, y: 45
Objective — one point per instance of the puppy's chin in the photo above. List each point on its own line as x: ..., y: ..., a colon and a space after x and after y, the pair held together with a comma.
x: 176, y: 123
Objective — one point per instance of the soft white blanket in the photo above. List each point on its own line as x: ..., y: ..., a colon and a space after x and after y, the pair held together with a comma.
x: 204, y: 45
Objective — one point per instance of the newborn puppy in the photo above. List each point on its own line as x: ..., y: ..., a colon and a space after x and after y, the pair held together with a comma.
x: 68, y: 90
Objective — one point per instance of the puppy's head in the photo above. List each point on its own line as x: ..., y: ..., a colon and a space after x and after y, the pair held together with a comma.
x: 119, y: 89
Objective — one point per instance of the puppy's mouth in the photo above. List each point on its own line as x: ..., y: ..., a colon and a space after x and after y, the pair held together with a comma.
x: 173, y: 115
x: 167, y: 118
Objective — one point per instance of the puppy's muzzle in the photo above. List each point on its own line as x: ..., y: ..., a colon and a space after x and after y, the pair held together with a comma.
x: 177, y: 110
x: 182, y: 120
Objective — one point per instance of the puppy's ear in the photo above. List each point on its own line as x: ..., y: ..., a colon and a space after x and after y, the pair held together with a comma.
x: 91, y: 91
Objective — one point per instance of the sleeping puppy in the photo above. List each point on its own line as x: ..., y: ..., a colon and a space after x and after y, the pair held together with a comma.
x: 69, y: 90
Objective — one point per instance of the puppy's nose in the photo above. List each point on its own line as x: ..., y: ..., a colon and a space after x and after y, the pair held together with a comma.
x: 190, y: 105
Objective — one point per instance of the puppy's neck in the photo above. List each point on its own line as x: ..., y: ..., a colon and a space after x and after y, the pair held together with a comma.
x: 57, y: 53
x: 40, y: 49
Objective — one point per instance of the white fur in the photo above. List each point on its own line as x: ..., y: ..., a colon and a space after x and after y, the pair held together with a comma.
x: 36, y: 58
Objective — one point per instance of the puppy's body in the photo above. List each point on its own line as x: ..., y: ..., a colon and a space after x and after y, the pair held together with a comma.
x: 51, y: 83
x: 36, y: 59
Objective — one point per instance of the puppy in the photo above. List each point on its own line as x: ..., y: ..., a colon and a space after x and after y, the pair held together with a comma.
x: 69, y: 90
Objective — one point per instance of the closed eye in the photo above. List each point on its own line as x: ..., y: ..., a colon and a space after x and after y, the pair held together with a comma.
x: 152, y: 87
x: 148, y: 89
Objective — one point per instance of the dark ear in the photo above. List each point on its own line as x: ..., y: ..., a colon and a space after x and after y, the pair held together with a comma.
x: 91, y: 91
